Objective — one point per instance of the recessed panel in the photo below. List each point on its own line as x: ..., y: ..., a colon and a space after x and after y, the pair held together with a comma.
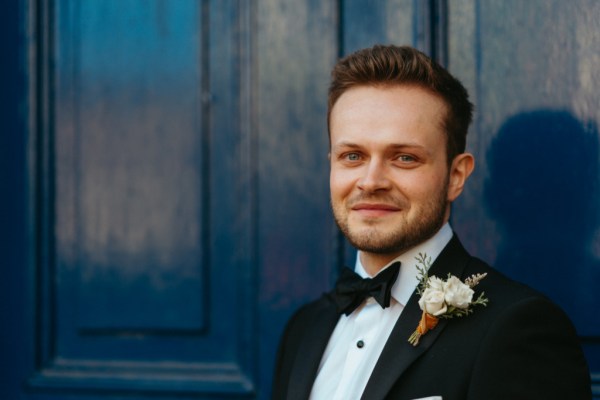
x: 140, y: 239
x: 139, y: 146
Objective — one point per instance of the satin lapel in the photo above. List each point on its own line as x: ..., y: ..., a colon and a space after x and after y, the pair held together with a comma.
x: 311, y: 350
x: 398, y: 354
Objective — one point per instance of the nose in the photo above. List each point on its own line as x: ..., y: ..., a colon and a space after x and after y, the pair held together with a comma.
x: 374, y: 177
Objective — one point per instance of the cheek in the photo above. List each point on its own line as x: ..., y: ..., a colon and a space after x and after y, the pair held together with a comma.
x: 423, y: 186
x: 341, y: 183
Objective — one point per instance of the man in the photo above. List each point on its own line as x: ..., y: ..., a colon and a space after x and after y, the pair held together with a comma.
x: 397, y: 125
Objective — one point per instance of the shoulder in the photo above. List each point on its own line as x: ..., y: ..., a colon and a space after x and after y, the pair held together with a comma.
x: 511, y: 302
x: 314, y: 307
x: 308, y: 329
x: 524, y: 337
x: 319, y: 311
x: 496, y: 282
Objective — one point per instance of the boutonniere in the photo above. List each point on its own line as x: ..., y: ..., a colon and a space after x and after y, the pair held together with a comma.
x: 443, y: 298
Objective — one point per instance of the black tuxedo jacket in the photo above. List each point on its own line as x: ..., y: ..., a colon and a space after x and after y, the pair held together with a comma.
x: 521, y: 346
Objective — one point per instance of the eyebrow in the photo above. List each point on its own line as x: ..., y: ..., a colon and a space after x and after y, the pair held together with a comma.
x: 346, y: 144
x: 353, y: 145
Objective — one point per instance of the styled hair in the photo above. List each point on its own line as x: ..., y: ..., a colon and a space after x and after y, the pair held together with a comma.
x: 405, y: 66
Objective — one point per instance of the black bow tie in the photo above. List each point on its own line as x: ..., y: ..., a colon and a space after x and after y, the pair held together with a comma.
x: 351, y: 289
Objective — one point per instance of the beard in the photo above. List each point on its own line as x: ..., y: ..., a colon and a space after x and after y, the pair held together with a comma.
x: 409, y: 232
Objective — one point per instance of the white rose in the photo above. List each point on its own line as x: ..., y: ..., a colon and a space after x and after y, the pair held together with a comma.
x: 432, y: 302
x: 457, y: 294
x: 435, y: 283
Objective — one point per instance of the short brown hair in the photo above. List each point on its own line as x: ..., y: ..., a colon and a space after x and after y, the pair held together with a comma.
x: 403, y: 65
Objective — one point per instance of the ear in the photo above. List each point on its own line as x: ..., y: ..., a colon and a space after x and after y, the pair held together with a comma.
x: 462, y: 166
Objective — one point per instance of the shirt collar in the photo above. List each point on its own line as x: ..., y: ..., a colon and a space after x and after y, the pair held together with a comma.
x: 408, y: 278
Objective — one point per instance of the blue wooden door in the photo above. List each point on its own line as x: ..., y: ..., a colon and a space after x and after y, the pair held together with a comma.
x: 165, y: 178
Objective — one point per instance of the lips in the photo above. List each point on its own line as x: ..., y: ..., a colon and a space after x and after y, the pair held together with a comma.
x: 376, y: 206
x: 374, y: 209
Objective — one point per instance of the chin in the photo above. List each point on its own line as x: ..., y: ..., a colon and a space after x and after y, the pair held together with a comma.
x: 373, y: 239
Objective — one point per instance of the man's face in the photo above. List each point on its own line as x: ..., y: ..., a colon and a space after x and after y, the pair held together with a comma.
x: 389, y: 174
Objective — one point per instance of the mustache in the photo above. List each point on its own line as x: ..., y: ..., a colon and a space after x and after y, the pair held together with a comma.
x: 379, y: 199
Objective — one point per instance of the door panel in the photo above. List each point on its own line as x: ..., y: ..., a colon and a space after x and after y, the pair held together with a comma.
x: 145, y: 186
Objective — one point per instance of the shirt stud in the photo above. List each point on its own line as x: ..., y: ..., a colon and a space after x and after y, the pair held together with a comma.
x: 360, y: 344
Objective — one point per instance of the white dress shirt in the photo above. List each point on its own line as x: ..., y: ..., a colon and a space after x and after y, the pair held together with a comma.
x: 358, y: 339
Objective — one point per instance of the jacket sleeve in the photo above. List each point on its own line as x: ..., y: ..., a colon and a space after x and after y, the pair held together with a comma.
x: 285, y: 358
x: 531, y: 352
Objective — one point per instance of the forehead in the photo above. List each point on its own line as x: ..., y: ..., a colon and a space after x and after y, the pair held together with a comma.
x: 398, y: 113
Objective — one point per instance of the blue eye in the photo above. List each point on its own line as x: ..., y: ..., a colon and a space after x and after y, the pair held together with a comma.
x: 353, y: 156
x: 406, y: 158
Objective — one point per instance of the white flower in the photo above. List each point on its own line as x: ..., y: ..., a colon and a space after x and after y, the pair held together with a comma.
x: 436, y: 283
x: 433, y: 302
x: 443, y: 298
x: 457, y: 294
